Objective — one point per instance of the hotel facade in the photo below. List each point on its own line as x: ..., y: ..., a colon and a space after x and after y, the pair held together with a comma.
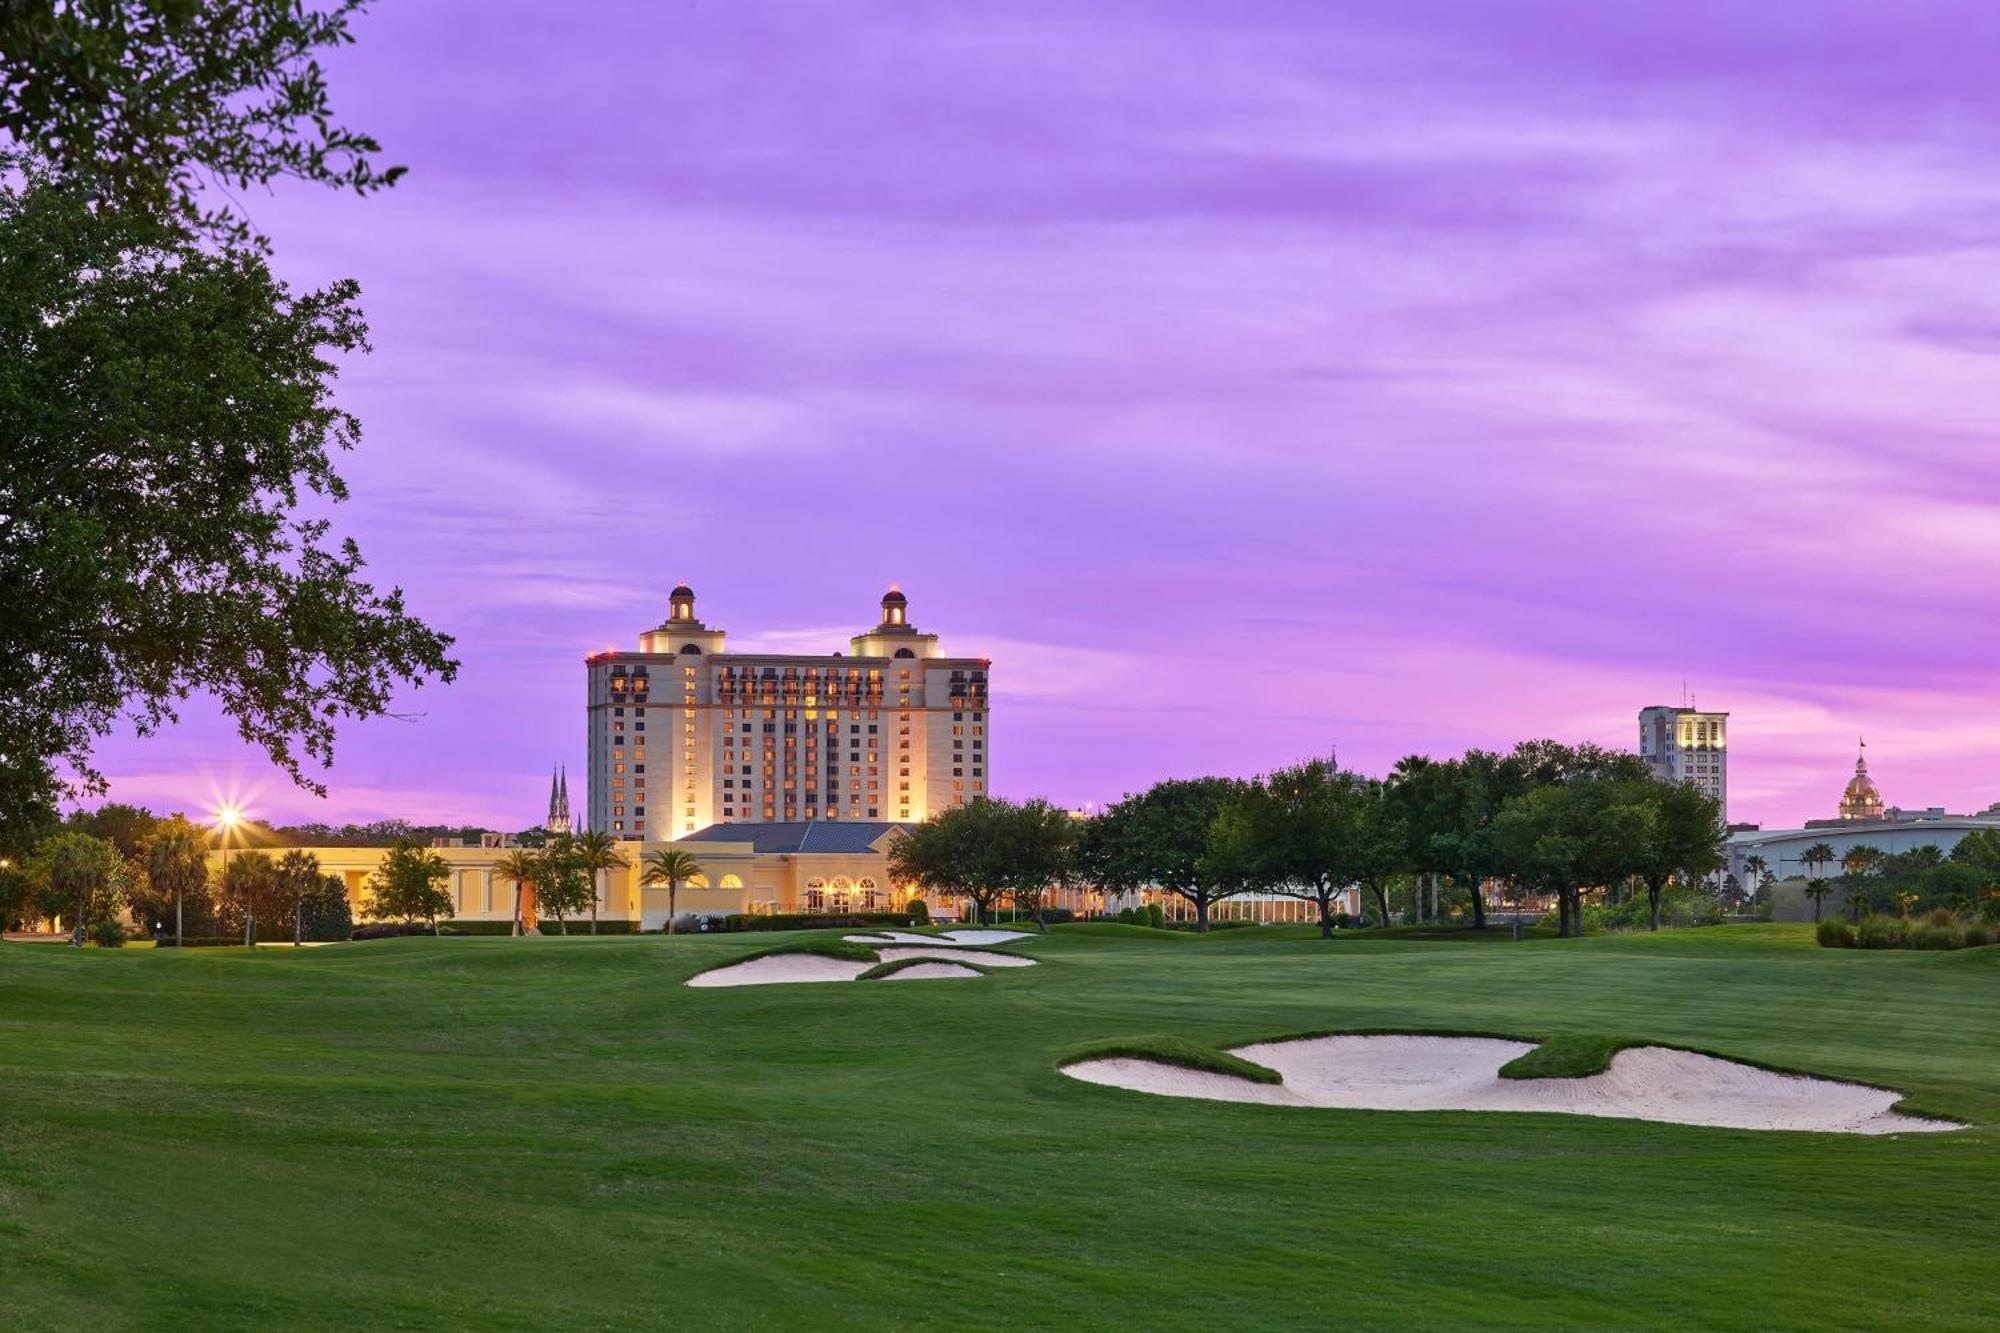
x: 684, y: 734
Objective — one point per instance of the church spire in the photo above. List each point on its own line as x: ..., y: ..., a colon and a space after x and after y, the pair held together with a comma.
x: 557, y: 820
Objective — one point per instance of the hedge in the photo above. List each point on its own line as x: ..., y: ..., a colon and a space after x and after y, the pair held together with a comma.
x: 815, y: 921
x: 577, y: 926
x: 199, y: 941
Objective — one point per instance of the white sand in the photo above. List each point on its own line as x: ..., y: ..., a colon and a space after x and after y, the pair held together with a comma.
x: 775, y: 969
x: 931, y: 972
x: 954, y: 938
x: 1411, y: 1073
x: 987, y: 936
x: 780, y: 968
x: 952, y: 953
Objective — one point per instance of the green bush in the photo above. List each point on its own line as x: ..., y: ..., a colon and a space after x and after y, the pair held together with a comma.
x: 1881, y: 932
x: 201, y: 941
x: 108, y: 933
x: 1933, y: 935
x: 920, y: 912
x: 1835, y: 933
x: 1977, y: 935
x: 814, y: 920
x: 574, y: 927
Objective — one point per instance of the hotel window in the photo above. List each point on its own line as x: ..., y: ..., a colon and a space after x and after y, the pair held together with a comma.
x: 638, y: 809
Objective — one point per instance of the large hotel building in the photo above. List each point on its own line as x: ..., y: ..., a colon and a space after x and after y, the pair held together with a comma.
x: 685, y: 734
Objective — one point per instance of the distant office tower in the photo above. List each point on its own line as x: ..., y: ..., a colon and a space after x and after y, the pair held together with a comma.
x: 684, y: 734
x: 1687, y: 745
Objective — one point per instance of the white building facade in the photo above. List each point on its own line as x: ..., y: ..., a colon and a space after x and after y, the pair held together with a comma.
x: 1687, y: 745
x: 684, y: 734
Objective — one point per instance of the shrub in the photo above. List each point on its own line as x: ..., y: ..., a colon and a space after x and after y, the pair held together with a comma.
x: 1835, y: 933
x: 108, y: 933
x: 919, y: 910
x: 813, y: 920
x: 1877, y: 931
x: 324, y: 913
x: 1933, y: 935
x: 201, y: 941
x: 1977, y: 935
x: 575, y: 926
x: 387, y: 930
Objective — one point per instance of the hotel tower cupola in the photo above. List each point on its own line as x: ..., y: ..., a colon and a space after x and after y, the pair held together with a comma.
x: 895, y: 610
x: 680, y: 605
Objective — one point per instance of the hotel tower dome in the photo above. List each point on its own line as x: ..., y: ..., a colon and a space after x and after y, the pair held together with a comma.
x: 1862, y: 799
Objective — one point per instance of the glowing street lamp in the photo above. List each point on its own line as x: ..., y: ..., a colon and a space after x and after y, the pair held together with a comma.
x: 227, y: 819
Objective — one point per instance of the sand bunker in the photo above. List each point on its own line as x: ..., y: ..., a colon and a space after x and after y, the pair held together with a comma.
x: 946, y: 961
x: 932, y: 972
x: 1412, y: 1073
x: 779, y: 968
x: 985, y: 958
x: 951, y: 938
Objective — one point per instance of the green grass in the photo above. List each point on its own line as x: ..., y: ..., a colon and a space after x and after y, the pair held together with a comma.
x: 1173, y: 1051
x: 895, y: 965
x: 1571, y: 1055
x: 529, y: 1134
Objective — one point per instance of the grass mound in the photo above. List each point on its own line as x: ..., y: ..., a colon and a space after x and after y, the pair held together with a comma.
x: 1571, y: 1056
x: 1118, y: 930
x: 844, y: 950
x: 1174, y: 1051
x: 895, y: 965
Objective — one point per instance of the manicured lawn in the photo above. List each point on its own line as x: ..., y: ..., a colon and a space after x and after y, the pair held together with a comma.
x: 556, y: 1134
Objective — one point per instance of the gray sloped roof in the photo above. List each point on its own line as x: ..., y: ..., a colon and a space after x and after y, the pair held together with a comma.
x: 802, y: 835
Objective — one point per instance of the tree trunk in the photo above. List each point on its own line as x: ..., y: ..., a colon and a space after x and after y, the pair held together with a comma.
x: 1381, y: 892
x: 1326, y: 916
x: 1562, y: 907
x: 79, y: 919
x: 1201, y: 915
x: 298, y: 922
x: 595, y: 894
x: 249, y: 921
x: 177, y: 919
x: 1653, y: 905
x: 673, y: 895
x: 1478, y: 906
x: 516, y: 931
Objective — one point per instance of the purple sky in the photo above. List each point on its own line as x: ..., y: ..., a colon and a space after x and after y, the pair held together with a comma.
x: 1243, y: 378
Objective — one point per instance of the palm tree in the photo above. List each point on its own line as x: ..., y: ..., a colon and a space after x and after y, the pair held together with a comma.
x: 596, y: 852
x: 522, y: 867
x: 1818, y: 857
x: 1817, y: 889
x: 177, y: 863
x: 1755, y: 866
x: 670, y: 866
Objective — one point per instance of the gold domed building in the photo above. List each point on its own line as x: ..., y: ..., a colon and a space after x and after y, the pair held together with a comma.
x: 1862, y: 799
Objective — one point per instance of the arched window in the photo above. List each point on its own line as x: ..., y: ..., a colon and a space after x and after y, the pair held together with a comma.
x: 904, y: 652
x: 698, y: 882
x: 816, y: 895
x: 690, y: 648
x: 732, y: 881
x: 866, y: 895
